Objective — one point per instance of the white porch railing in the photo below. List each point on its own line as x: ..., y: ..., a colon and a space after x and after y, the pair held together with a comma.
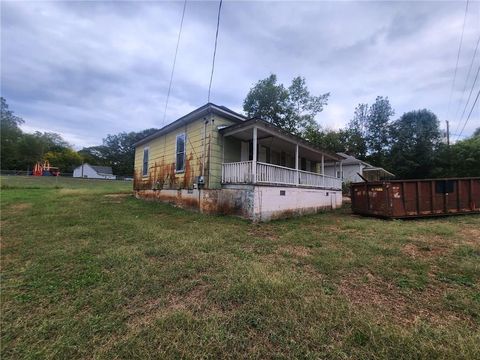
x: 274, y: 174
x: 237, y: 173
x: 241, y: 173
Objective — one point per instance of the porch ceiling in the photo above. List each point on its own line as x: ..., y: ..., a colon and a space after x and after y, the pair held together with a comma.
x: 276, y: 138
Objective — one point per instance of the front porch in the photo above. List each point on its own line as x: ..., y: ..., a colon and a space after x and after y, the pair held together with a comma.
x: 256, y: 152
x: 242, y: 172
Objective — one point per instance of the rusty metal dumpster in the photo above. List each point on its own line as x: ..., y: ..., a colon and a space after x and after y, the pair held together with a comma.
x: 416, y: 198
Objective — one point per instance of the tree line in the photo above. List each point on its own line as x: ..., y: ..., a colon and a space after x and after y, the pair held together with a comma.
x: 411, y: 146
x: 20, y: 150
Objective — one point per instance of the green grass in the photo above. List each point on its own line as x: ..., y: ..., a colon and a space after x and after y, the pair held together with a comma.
x: 88, y: 271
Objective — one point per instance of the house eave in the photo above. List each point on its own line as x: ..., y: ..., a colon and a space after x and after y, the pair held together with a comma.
x: 204, y: 110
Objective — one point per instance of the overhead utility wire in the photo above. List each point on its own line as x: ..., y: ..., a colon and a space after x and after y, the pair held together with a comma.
x: 468, y: 100
x: 214, y: 49
x: 471, y: 110
x: 466, y: 83
x: 174, y: 62
x: 458, y: 57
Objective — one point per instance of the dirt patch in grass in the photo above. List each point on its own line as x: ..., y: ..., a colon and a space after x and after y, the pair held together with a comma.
x: 426, y: 251
x: 194, y: 301
x: 470, y: 236
x: 299, y: 251
x: 20, y: 207
x: 74, y: 191
x: 370, y: 292
x: 262, y: 232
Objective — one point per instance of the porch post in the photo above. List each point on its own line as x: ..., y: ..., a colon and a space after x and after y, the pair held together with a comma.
x: 254, y: 160
x: 341, y: 171
x: 323, y: 170
x: 296, y: 164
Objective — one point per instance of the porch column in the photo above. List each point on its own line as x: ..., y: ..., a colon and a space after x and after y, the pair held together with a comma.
x: 323, y: 170
x: 254, y: 160
x: 341, y: 171
x: 296, y: 164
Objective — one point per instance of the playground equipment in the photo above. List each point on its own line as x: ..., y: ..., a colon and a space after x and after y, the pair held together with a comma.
x: 45, y: 169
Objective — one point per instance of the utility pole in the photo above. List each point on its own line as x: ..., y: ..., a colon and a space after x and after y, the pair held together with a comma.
x: 448, y: 132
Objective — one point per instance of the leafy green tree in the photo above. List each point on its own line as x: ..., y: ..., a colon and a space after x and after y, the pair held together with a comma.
x: 10, y: 135
x: 269, y: 101
x: 415, y: 137
x: 117, y: 151
x: 326, y: 139
x: 65, y: 159
x: 377, y: 130
x: 293, y: 109
x: 355, y: 143
x: 303, y: 107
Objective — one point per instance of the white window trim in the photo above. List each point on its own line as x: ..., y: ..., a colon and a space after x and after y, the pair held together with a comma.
x: 184, y: 152
x: 143, y: 161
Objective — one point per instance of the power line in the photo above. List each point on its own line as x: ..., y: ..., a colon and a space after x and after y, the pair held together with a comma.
x: 471, y: 110
x: 466, y: 83
x: 214, y: 49
x: 174, y: 62
x: 458, y: 57
x: 468, y: 100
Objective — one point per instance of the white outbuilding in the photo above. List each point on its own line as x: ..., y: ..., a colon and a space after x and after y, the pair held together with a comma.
x: 94, y: 172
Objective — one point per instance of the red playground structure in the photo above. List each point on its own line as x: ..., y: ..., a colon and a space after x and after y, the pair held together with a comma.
x: 45, y: 169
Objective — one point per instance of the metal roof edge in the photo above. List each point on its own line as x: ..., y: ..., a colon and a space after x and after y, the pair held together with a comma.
x: 192, y: 116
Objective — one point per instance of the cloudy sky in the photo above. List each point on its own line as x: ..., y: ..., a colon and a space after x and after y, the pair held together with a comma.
x: 90, y: 68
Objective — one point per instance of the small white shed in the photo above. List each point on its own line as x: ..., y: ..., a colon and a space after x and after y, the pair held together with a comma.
x: 94, y: 172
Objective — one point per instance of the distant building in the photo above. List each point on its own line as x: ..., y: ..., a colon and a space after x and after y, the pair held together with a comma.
x: 94, y: 172
x: 353, y: 169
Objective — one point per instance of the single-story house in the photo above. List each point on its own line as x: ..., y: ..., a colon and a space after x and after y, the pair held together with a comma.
x: 218, y: 161
x: 94, y: 172
x: 352, y: 168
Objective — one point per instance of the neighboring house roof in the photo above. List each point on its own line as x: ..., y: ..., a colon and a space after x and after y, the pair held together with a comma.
x: 193, y: 116
x: 351, y: 160
x: 293, y: 138
x: 104, y: 170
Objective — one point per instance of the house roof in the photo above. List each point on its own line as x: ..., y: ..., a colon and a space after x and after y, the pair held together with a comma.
x: 204, y: 110
x: 106, y: 170
x: 296, y: 139
x: 351, y: 160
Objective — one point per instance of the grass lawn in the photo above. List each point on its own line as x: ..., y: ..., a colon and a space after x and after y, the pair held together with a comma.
x: 88, y: 271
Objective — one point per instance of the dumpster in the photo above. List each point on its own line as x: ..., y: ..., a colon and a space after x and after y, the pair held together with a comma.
x: 416, y: 198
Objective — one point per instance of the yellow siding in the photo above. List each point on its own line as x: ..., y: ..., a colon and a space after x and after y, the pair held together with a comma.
x: 199, y: 149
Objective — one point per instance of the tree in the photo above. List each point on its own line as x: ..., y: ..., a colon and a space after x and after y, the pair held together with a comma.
x: 10, y: 135
x: 377, y: 130
x: 65, y: 159
x: 415, y: 137
x: 303, y: 107
x: 117, y: 151
x: 326, y: 139
x: 476, y: 133
x: 355, y: 143
x: 293, y: 109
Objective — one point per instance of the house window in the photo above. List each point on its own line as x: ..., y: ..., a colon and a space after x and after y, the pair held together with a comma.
x: 145, y: 162
x: 339, y: 174
x: 180, y: 153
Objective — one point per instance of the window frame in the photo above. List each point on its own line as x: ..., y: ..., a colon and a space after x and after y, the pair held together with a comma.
x: 184, y: 135
x: 145, y: 168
